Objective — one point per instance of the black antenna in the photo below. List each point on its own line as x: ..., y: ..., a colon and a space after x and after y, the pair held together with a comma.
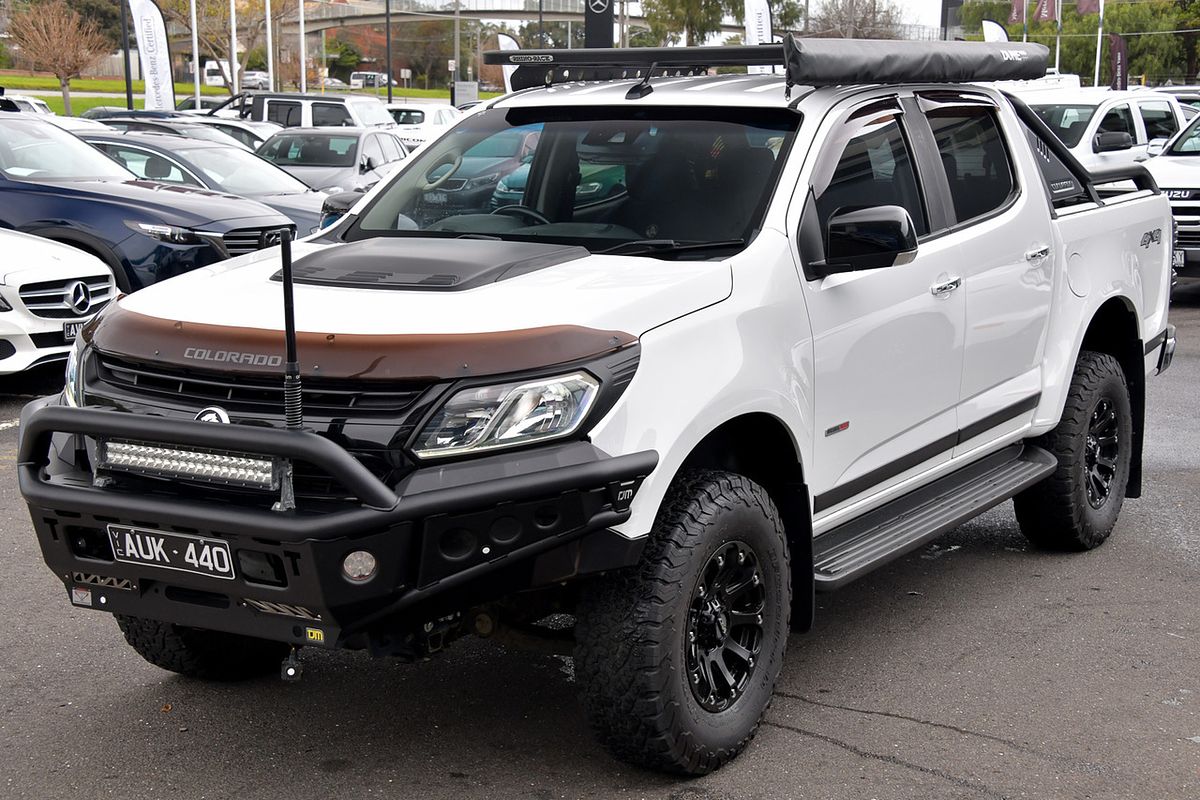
x: 293, y: 397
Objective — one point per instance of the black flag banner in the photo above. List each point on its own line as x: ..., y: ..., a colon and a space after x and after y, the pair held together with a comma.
x: 598, y: 23
x: 1118, y: 61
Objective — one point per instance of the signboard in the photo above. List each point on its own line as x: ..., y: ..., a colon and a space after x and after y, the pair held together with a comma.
x: 597, y: 23
x: 154, y: 55
x: 466, y: 92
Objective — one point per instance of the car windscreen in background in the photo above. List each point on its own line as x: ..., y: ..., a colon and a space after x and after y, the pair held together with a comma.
x: 310, y: 150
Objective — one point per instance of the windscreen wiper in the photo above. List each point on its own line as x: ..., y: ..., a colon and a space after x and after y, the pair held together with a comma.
x: 669, y: 246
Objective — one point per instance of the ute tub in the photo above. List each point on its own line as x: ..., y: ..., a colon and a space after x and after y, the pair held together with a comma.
x: 489, y: 527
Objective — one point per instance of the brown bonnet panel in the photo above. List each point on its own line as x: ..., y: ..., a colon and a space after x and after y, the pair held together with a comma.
x: 253, y: 351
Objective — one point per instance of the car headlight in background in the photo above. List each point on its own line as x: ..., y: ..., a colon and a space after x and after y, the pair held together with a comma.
x: 508, y: 415
x: 73, y: 379
x: 482, y: 180
x: 585, y: 189
x: 171, y: 234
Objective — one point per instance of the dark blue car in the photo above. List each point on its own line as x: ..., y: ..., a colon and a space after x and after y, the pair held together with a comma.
x: 55, y: 185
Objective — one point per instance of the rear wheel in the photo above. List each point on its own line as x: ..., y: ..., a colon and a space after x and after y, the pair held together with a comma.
x: 678, y: 657
x: 1076, y: 508
x: 199, y: 653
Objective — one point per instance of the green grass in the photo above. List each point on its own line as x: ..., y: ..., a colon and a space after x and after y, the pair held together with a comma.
x: 18, y: 82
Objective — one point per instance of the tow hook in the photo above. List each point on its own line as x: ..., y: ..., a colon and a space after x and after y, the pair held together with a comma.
x: 291, y: 669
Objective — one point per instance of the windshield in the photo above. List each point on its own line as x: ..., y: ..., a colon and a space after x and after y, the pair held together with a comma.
x: 1067, y: 120
x: 372, y: 112
x: 592, y: 177
x: 1188, y: 142
x: 310, y: 150
x: 239, y: 172
x: 31, y: 150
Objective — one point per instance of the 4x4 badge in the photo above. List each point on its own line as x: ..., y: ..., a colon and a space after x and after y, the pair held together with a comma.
x: 213, y: 414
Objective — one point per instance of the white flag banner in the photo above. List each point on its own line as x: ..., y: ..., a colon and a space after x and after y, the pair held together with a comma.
x: 758, y: 29
x: 507, y: 42
x: 993, y: 31
x: 154, y: 55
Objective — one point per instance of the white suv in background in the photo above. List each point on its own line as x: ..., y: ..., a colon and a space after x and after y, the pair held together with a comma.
x: 417, y: 123
x: 1105, y: 128
x: 48, y: 291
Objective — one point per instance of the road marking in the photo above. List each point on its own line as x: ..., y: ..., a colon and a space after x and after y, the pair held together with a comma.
x: 9, y: 423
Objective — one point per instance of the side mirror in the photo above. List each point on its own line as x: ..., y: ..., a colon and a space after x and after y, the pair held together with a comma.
x: 1111, y: 141
x: 335, y: 206
x: 1156, y: 146
x: 868, y: 238
x: 367, y: 164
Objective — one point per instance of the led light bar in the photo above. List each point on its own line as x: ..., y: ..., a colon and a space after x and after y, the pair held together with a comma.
x: 227, y: 469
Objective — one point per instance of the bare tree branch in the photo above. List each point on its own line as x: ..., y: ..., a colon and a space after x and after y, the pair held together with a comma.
x: 56, y: 39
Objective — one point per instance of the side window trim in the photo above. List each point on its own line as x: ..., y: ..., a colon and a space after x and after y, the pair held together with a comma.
x: 186, y: 173
x: 939, y: 204
x: 954, y: 224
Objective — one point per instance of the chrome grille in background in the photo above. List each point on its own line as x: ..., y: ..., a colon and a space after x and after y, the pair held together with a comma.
x: 52, y: 299
x: 249, y: 240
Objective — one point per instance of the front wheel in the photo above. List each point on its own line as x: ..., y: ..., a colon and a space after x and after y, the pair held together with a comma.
x: 1076, y: 507
x: 677, y: 658
x: 199, y: 653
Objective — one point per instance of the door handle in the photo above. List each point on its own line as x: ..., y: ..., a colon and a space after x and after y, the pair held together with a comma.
x: 945, y: 287
x: 1037, y: 255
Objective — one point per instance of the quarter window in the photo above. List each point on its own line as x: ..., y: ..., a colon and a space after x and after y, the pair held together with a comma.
x: 372, y: 151
x: 1158, y: 119
x: 974, y: 158
x: 875, y: 169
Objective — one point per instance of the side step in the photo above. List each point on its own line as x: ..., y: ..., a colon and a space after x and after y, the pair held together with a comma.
x: 853, y: 549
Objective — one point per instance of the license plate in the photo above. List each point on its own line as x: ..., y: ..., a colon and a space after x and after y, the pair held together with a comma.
x: 436, y: 198
x: 177, y: 551
x: 71, y: 330
x: 1177, y: 258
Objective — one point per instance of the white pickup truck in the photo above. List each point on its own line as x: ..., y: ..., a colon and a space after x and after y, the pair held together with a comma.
x: 812, y: 322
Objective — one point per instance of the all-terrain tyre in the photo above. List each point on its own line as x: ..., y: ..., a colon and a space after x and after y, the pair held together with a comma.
x: 677, y: 657
x: 203, y: 654
x: 1077, y: 506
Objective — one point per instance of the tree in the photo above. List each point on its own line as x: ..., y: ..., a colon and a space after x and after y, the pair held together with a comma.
x: 57, y: 39
x: 856, y: 19
x: 212, y: 25
x: 696, y: 20
x: 429, y: 45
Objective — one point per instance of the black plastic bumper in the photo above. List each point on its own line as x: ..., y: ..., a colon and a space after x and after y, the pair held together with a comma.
x: 491, y: 526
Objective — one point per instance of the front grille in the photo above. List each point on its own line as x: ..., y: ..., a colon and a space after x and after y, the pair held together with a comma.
x: 240, y: 394
x: 1190, y: 210
x: 73, y: 298
x: 1187, y: 238
x: 248, y: 240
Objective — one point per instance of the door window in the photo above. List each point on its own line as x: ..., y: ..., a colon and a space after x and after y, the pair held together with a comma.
x: 975, y: 159
x: 150, y: 166
x: 372, y: 150
x: 390, y: 151
x: 875, y: 169
x: 1118, y: 119
x: 1158, y: 119
x: 284, y: 112
x: 330, y: 115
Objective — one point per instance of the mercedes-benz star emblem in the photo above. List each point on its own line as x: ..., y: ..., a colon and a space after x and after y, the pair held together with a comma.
x: 213, y: 414
x: 598, y: 6
x: 79, y: 297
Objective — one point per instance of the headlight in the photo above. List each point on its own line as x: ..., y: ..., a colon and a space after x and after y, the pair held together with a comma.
x: 588, y: 188
x: 165, y: 233
x: 502, y: 187
x: 482, y: 180
x: 333, y: 190
x: 73, y: 383
x: 508, y: 415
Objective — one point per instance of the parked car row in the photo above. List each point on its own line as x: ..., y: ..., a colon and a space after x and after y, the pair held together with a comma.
x: 119, y: 199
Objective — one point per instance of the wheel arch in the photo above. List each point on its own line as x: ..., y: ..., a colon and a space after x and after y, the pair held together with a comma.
x: 90, y: 245
x: 1114, y: 330
x: 760, y: 447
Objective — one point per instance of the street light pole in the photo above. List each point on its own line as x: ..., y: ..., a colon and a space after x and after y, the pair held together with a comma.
x: 270, y: 50
x: 387, y: 46
x: 233, y: 76
x: 303, y: 54
x: 125, y: 50
x: 196, y: 53
x: 457, y: 42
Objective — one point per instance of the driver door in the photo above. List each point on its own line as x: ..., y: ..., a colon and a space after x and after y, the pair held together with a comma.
x: 888, y: 342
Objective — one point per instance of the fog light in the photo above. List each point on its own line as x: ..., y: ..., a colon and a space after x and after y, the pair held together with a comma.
x: 359, y: 566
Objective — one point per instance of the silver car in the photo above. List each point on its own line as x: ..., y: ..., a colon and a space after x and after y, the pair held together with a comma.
x: 335, y: 159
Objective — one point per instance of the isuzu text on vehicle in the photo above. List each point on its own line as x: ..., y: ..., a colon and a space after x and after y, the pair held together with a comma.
x: 808, y: 323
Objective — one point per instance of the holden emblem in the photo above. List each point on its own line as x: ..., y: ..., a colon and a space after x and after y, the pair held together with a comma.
x: 213, y: 414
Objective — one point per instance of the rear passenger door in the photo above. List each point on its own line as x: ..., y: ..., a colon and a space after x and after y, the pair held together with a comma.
x: 1158, y: 118
x: 1009, y: 258
x: 887, y: 342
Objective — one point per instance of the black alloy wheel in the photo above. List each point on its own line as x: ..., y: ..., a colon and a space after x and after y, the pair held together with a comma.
x: 725, y: 626
x: 1100, y: 453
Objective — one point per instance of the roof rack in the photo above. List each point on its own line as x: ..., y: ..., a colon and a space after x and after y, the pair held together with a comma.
x: 809, y: 62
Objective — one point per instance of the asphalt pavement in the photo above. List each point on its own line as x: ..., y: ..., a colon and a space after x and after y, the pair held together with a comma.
x: 975, y: 668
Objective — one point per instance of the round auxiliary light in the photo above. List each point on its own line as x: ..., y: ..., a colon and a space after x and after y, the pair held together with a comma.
x: 359, y: 566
